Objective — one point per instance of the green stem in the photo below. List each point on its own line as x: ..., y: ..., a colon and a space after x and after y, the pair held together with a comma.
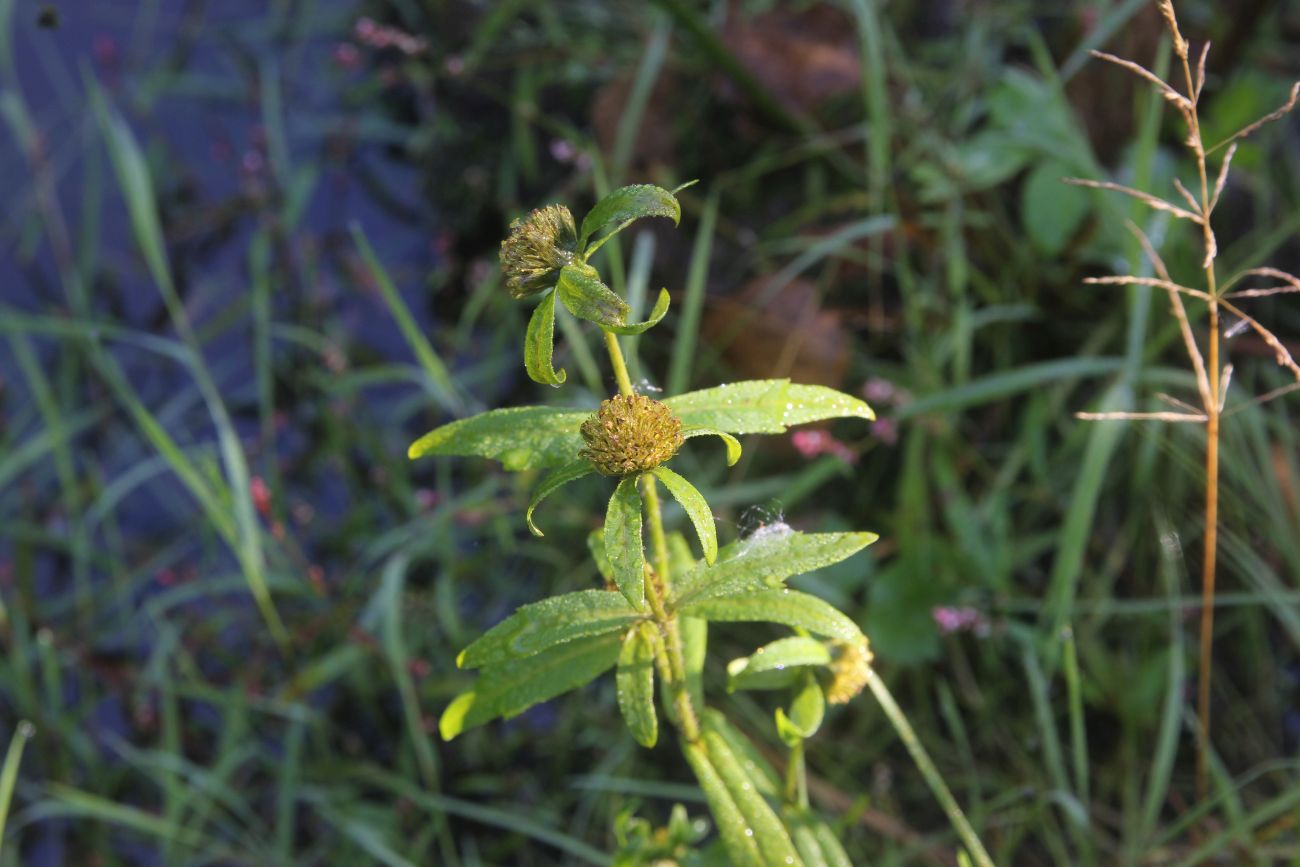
x: 932, y: 776
x: 674, y: 662
x: 796, y: 778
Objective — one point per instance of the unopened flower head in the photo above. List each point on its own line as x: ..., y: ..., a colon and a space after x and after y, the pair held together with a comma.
x: 538, y: 246
x: 849, y: 671
x: 631, y: 434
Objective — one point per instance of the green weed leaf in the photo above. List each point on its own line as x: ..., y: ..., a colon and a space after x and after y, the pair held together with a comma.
x: 539, y: 344
x: 542, y: 625
x: 623, y: 544
x: 553, y: 482
x: 587, y: 297
x: 636, y: 683
x: 657, y: 314
x: 765, y: 560
x: 806, y: 712
x: 776, y: 665
x: 815, y: 840
x: 627, y: 204
x: 789, y: 607
x: 1051, y: 211
x: 732, y: 444
x: 510, y: 689
x: 521, y: 438
x: 764, y: 406
x: 697, y: 509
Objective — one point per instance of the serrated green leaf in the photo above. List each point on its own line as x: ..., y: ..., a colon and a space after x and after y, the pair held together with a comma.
x: 521, y: 438
x: 630, y: 203
x: 762, y: 822
x: 623, y: 545
x: 732, y: 444
x: 553, y: 482
x: 539, y: 344
x: 510, y: 689
x: 585, y: 296
x: 541, y: 625
x: 766, y: 559
x: 776, y: 665
x: 764, y: 406
x: 657, y: 314
x: 636, y: 684
x: 789, y: 607
x: 697, y: 509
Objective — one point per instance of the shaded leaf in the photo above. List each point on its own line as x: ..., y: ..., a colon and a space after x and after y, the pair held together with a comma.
x: 623, y: 544
x: 732, y: 444
x: 636, y: 683
x: 789, y: 607
x: 587, y: 297
x: 553, y: 482
x: 766, y: 559
x: 807, y: 710
x: 776, y: 665
x: 627, y: 204
x: 596, y: 545
x: 510, y: 689
x: 541, y: 625
x: 764, y: 406
x: 697, y: 509
x: 1051, y: 211
x: 521, y: 438
x: 539, y: 344
x: 657, y: 314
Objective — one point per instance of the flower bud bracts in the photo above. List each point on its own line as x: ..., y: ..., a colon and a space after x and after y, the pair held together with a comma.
x: 630, y: 434
x: 538, y: 246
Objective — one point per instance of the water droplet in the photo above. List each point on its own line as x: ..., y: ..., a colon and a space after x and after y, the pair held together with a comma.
x: 749, y: 832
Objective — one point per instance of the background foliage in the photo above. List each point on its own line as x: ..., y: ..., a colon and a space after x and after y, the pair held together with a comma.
x: 232, y: 607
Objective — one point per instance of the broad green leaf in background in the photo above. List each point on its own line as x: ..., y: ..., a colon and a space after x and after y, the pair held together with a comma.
x: 696, y: 507
x: 732, y: 444
x: 1050, y: 211
x: 626, y: 204
x: 776, y: 665
x: 553, y: 482
x: 764, y: 406
x: 766, y: 559
x: 636, y: 684
x: 542, y: 625
x: 521, y: 438
x: 587, y: 297
x: 656, y: 315
x: 539, y: 344
x: 510, y: 689
x: 789, y: 607
x: 623, y: 545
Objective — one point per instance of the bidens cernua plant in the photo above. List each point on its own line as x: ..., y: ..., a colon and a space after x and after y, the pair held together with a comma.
x: 651, y: 619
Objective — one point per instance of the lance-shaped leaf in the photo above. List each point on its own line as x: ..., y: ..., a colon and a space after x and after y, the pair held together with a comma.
x: 657, y: 314
x: 623, y: 546
x: 697, y: 509
x: 764, y: 406
x: 760, y: 770
x: 807, y: 710
x: 510, y: 689
x: 789, y: 607
x: 542, y: 625
x: 586, y: 297
x: 539, y: 344
x: 695, y: 646
x: 733, y: 827
x: 596, y: 545
x: 626, y: 204
x: 553, y: 482
x: 521, y: 438
x: 636, y: 684
x: 776, y: 665
x: 815, y: 840
x: 732, y: 444
x: 766, y: 559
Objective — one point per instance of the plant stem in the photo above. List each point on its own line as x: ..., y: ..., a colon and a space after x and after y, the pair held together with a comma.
x: 796, y: 778
x: 674, y: 663
x: 932, y: 776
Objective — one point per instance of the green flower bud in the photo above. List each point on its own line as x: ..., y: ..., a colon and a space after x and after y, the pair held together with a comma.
x: 849, y: 671
x: 630, y: 434
x: 537, y: 247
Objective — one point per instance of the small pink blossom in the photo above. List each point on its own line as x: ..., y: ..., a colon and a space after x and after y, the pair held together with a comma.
x: 347, y: 56
x: 811, y: 443
x: 951, y: 620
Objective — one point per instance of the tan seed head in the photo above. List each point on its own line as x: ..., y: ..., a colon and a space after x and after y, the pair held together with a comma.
x: 630, y: 434
x: 538, y: 246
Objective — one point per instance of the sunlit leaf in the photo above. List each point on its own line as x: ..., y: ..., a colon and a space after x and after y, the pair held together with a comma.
x: 807, y: 710
x: 657, y: 314
x: 636, y: 683
x: 766, y: 559
x: 585, y: 296
x: 539, y: 344
x: 510, y: 689
x: 542, y: 625
x: 623, y: 545
x: 765, y: 778
x: 815, y: 840
x: 776, y: 665
x: 626, y: 204
x: 697, y: 509
x: 553, y: 482
x: 789, y: 607
x: 732, y: 444
x: 764, y: 406
x: 695, y: 645
x: 521, y: 438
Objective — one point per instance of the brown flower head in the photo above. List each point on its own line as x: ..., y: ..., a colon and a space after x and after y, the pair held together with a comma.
x: 849, y: 671
x: 537, y: 247
x: 630, y: 434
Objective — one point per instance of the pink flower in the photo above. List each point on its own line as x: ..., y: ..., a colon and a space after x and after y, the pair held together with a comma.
x: 811, y: 443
